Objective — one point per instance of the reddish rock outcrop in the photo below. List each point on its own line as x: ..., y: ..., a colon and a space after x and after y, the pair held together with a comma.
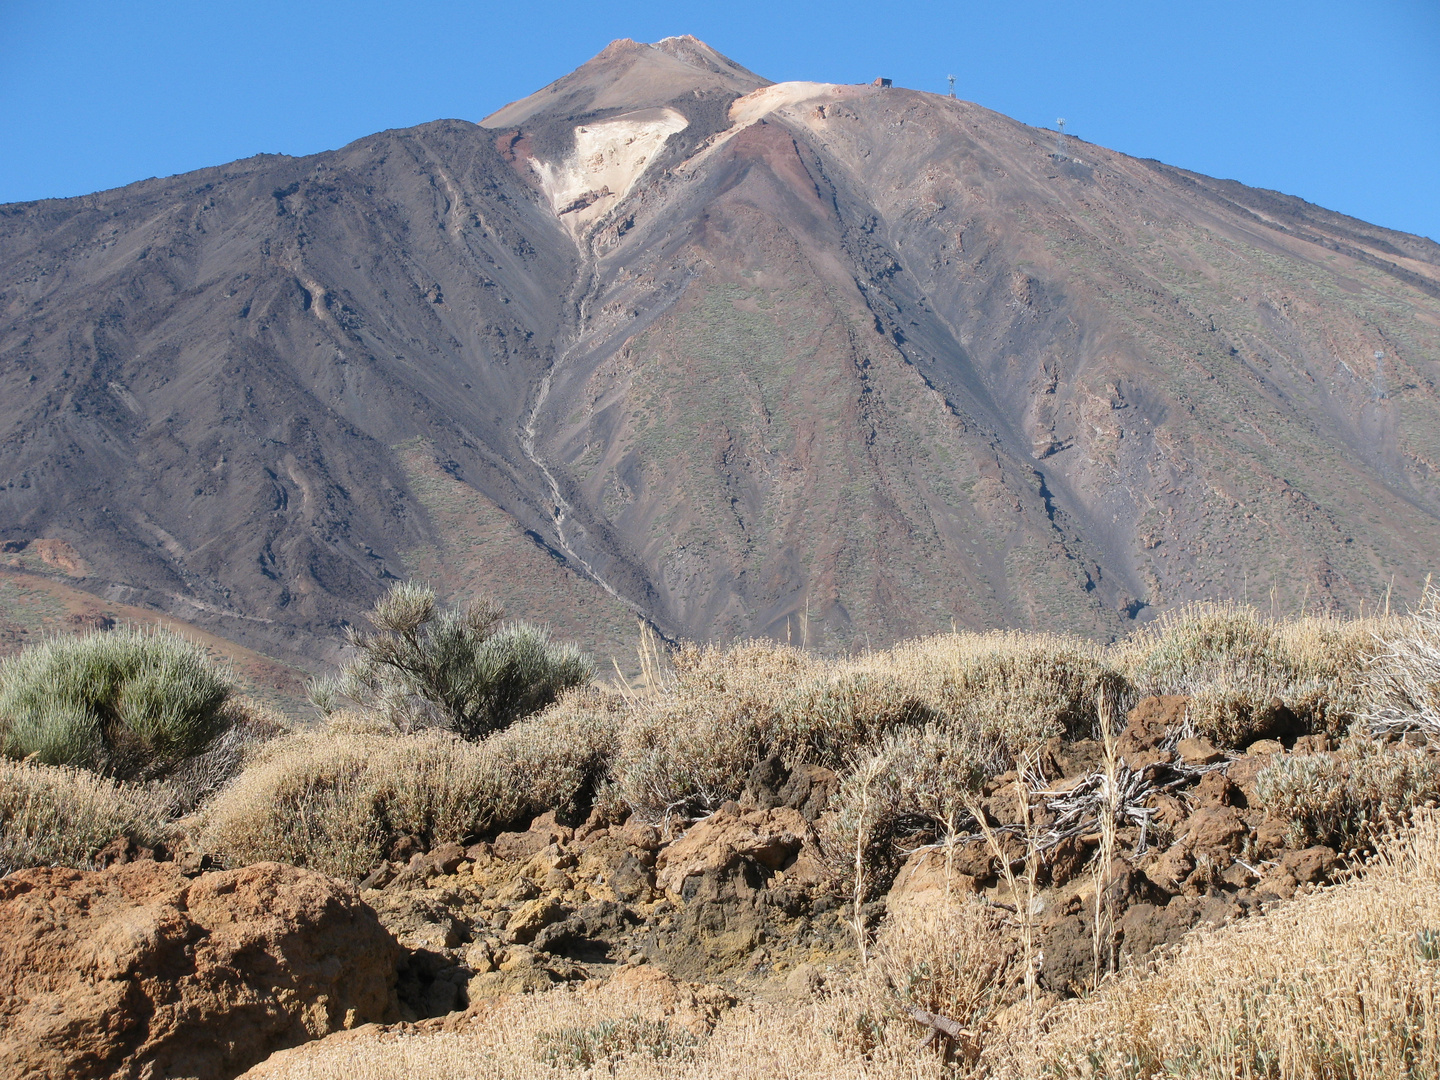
x: 730, y: 841
x: 138, y: 971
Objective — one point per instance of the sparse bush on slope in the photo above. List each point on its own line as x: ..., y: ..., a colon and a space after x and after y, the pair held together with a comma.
x: 694, y: 747
x: 125, y: 702
x: 1014, y: 689
x: 1248, y: 677
x: 337, y: 798
x: 1351, y: 796
x: 62, y: 816
x: 1402, y: 682
x: 460, y: 668
x: 997, y: 695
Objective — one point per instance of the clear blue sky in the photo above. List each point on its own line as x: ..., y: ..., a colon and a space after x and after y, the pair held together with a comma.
x: 1336, y: 102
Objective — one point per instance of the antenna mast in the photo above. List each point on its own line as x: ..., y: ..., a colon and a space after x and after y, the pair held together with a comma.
x: 952, y: 85
x: 1060, y: 139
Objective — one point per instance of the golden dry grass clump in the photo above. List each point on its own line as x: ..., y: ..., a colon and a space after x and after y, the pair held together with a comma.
x: 335, y: 798
x: 1241, y: 669
x: 1402, y: 691
x: 62, y: 816
x: 990, y: 698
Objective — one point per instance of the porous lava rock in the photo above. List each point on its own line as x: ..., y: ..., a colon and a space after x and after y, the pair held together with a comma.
x: 732, y: 844
x: 138, y: 971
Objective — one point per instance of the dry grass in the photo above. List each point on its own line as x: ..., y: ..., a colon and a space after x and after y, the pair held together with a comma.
x: 1240, y: 668
x: 61, y: 816
x: 335, y: 799
x: 997, y: 696
x: 749, y: 1043
x: 1351, y: 797
x: 1403, y: 680
x: 913, y: 732
x: 1341, y: 983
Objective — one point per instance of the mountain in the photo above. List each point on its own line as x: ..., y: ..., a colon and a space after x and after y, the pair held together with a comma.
x: 829, y: 363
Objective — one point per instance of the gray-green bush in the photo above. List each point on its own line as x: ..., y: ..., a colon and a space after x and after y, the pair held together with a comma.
x: 458, y: 668
x: 607, y: 1042
x: 125, y: 702
x: 1248, y: 676
x: 1350, y: 796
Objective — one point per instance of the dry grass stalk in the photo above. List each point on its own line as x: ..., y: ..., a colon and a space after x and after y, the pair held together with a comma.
x: 869, y: 772
x: 1023, y: 899
x: 1102, y: 867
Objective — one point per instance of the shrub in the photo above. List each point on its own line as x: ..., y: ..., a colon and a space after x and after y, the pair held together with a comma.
x: 913, y: 785
x: 1340, y: 799
x: 1402, y: 684
x: 1243, y: 673
x: 1014, y: 690
x: 954, y: 957
x: 336, y: 799
x: 461, y: 669
x: 824, y: 721
x: 62, y: 816
x: 693, y: 746
x: 124, y: 702
x: 610, y: 1041
x: 250, y: 726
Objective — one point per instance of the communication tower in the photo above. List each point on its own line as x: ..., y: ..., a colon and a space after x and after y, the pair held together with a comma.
x: 952, y: 84
x: 1060, y: 139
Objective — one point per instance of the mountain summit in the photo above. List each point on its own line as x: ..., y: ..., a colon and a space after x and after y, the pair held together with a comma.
x: 629, y: 75
x: 830, y: 363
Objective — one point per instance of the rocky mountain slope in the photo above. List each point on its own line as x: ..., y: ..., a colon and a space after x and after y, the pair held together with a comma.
x: 828, y: 363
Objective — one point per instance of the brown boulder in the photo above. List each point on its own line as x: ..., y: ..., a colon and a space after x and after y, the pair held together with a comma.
x: 1244, y: 772
x: 1215, y: 829
x: 1171, y: 869
x: 422, y: 867
x: 1197, y: 752
x: 926, y: 878
x: 810, y: 790
x: 729, y: 840
x: 418, y: 919
x: 138, y: 971
x: 1215, y: 789
x: 1146, y: 927
x: 1311, y: 865
x: 1150, y: 722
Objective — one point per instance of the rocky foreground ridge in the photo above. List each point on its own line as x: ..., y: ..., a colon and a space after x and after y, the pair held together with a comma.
x: 166, y: 968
